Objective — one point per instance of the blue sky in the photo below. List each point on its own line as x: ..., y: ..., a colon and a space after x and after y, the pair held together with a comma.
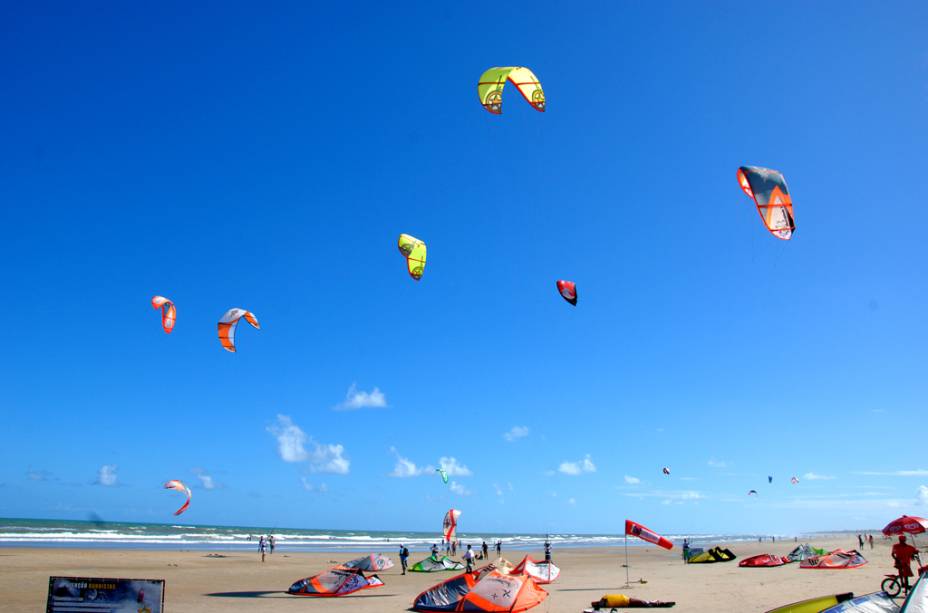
x: 227, y: 155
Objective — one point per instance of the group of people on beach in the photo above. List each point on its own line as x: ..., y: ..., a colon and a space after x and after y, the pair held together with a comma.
x: 266, y: 543
x: 469, y: 556
x: 865, y: 538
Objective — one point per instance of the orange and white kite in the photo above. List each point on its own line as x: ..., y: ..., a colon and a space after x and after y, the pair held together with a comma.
x: 168, y: 312
x: 183, y: 489
x: 229, y: 322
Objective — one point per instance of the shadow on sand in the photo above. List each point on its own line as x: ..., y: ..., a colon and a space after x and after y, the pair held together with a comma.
x: 243, y: 594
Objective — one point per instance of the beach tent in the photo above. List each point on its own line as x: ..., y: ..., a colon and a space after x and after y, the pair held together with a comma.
x: 541, y: 572
x: 877, y: 602
x: 334, y: 582
x: 432, y: 564
x: 716, y: 554
x: 813, y: 605
x: 486, y: 589
x: 836, y: 560
x: 802, y: 552
x: 763, y: 560
x: 917, y: 602
x: 372, y: 562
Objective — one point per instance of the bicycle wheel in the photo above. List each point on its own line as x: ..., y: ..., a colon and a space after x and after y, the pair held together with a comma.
x: 892, y: 586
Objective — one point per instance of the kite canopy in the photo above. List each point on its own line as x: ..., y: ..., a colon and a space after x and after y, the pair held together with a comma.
x: 767, y: 188
x: 541, y: 572
x: 666, y: 471
x: 877, y: 602
x: 794, y: 480
x: 801, y: 552
x: 334, y: 582
x: 906, y: 524
x: 490, y: 88
x: 769, y: 479
x: 752, y: 493
x: 441, y: 473
x: 716, y: 554
x: 450, y: 524
x: 168, y: 312
x: 374, y: 561
x: 568, y: 290
x: 183, y: 489
x: 763, y: 560
x: 917, y: 601
x: 229, y: 322
x: 813, y: 605
x: 414, y: 251
x: 486, y: 589
x: 836, y: 560
x: 433, y: 564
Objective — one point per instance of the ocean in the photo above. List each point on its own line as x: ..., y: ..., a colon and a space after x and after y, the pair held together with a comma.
x: 69, y: 533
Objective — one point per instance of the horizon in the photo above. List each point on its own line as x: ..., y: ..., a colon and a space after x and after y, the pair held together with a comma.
x: 269, y: 160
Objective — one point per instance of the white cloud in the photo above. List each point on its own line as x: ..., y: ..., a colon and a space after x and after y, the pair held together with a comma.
x: 206, y: 480
x: 359, y: 399
x: 918, y: 472
x: 292, y: 442
x: 515, y: 433
x: 459, y: 489
x: 575, y: 468
x: 453, y: 467
x: 322, y: 488
x: 922, y: 495
x: 571, y: 501
x: 667, y: 495
x: 632, y: 480
x: 817, y: 477
x: 407, y: 468
x: 107, y: 475
x: 498, y: 489
x: 717, y: 463
x: 40, y: 475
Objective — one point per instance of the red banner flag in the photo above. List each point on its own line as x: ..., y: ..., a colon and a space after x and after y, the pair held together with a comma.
x: 636, y: 529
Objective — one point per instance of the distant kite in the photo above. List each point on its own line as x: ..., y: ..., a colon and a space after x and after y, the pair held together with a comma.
x: 769, y: 479
x: 441, y: 473
x: 229, y: 322
x: 794, y: 480
x: 414, y: 251
x: 490, y: 88
x: 666, y: 471
x: 183, y: 489
x: 568, y: 290
x: 767, y: 188
x: 752, y: 493
x: 168, y: 312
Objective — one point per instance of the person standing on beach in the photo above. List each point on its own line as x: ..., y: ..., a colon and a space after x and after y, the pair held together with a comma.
x: 486, y: 551
x: 870, y: 539
x: 454, y: 548
x: 686, y: 551
x: 469, y: 560
x: 860, y: 541
x: 271, y: 542
x: 902, y: 559
x: 434, y: 550
x: 547, y: 550
x: 404, y: 556
x: 499, y: 548
x: 262, y: 546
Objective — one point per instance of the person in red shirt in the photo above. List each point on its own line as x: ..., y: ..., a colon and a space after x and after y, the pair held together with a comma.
x: 902, y: 555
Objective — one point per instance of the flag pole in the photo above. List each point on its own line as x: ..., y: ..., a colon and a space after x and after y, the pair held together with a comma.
x: 626, y: 559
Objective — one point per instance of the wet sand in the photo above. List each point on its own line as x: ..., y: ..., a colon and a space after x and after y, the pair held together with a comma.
x: 198, y: 581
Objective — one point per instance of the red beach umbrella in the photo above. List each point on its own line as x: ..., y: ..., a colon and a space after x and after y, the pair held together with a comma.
x: 906, y: 524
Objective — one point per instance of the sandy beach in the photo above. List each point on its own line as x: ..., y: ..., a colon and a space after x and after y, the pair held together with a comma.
x: 200, y: 581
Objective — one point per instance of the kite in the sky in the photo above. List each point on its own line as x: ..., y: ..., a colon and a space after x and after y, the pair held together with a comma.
x: 794, y: 480
x: 183, y: 489
x: 229, y: 322
x: 666, y: 471
x: 414, y: 251
x: 441, y: 473
x: 769, y: 479
x: 752, y: 493
x: 767, y: 188
x: 168, y: 312
x: 490, y: 88
x: 450, y: 524
x: 568, y: 290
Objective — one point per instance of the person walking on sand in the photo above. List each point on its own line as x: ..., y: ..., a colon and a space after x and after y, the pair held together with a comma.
x: 404, y: 556
x: 262, y: 547
x: 902, y: 559
x: 469, y: 560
